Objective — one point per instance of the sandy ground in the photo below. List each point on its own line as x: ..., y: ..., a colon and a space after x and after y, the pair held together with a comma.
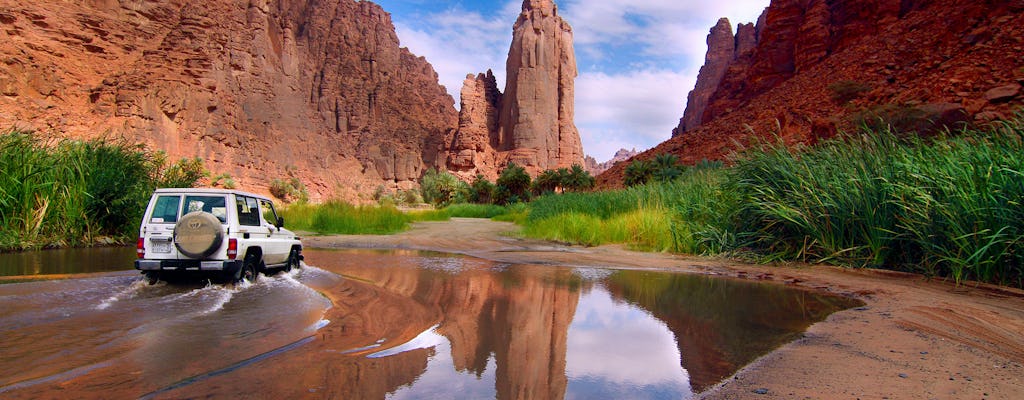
x: 914, y: 338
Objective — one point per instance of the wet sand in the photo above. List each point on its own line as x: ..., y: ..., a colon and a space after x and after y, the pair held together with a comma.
x: 914, y: 339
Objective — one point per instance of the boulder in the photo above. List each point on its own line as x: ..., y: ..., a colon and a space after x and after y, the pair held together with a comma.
x: 1003, y: 94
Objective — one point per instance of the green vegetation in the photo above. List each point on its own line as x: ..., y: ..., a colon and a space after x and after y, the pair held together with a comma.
x: 289, y: 189
x: 945, y: 206
x: 336, y: 217
x: 663, y: 168
x: 443, y: 188
x: 686, y: 215
x: 475, y: 210
x: 513, y: 185
x: 67, y: 193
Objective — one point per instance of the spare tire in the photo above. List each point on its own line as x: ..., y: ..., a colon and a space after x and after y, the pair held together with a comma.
x: 198, y: 234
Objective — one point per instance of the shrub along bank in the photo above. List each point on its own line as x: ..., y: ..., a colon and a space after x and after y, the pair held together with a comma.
x: 947, y: 206
x: 68, y: 193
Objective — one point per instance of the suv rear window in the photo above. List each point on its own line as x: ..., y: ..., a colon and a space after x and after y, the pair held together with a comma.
x: 166, y: 210
x: 215, y: 205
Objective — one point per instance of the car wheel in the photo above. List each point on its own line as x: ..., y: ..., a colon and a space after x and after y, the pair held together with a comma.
x: 249, y: 270
x: 293, y: 261
x: 152, y: 277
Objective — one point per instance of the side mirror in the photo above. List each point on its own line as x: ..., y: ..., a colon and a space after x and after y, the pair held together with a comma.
x: 280, y: 222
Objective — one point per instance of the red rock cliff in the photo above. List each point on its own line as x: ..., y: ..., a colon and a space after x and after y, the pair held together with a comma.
x: 259, y: 88
x: 535, y: 115
x: 820, y: 65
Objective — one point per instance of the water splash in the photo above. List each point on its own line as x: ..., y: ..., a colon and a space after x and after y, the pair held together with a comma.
x: 127, y: 293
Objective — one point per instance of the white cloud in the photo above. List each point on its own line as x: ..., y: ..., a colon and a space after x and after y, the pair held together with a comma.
x: 615, y: 342
x: 637, y: 59
x: 659, y: 28
x: 459, y: 42
x: 633, y: 109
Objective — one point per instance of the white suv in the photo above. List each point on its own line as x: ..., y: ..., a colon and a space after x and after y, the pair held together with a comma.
x: 213, y: 233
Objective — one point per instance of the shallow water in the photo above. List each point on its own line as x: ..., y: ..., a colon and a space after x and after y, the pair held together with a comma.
x: 67, y: 261
x: 397, y: 324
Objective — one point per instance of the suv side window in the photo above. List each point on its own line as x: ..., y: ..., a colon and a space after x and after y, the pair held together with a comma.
x: 267, y: 209
x: 248, y: 211
x: 166, y: 210
x: 212, y: 204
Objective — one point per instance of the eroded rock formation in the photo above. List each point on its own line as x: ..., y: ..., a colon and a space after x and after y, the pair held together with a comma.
x: 260, y: 89
x: 535, y: 126
x: 819, y: 66
x: 722, y: 50
x: 595, y: 168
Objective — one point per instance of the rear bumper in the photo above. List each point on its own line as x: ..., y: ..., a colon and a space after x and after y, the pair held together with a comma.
x: 229, y: 266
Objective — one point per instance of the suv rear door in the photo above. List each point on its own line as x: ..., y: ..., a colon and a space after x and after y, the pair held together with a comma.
x: 158, y: 229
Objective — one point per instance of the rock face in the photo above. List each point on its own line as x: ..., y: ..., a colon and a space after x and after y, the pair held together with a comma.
x: 535, y: 114
x: 722, y: 50
x: 595, y: 168
x: 475, y: 144
x: 811, y: 68
x: 261, y: 89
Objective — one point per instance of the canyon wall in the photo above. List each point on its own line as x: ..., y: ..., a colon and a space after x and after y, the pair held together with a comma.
x: 812, y: 68
x: 531, y: 123
x: 260, y: 89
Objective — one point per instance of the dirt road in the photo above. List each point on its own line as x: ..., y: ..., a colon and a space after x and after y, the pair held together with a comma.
x: 913, y: 339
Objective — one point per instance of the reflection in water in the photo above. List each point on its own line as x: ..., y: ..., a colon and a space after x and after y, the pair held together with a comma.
x: 619, y: 351
x: 402, y: 325
x: 67, y: 261
x: 522, y: 331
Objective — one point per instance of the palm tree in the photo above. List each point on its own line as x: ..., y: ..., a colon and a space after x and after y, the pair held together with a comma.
x: 666, y: 167
x: 578, y: 179
x: 546, y: 182
x: 638, y: 172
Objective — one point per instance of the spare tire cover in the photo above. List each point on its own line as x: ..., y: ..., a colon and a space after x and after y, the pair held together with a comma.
x: 198, y: 234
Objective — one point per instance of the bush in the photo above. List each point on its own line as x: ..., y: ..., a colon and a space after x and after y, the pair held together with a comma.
x: 61, y: 193
x: 442, y: 188
x: 289, y: 190
x: 225, y: 180
x: 185, y: 173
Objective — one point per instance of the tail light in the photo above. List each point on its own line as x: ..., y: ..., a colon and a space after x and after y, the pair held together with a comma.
x: 140, y: 248
x: 232, y: 249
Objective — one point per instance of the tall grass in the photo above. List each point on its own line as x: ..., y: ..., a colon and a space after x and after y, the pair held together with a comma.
x: 688, y: 215
x: 337, y: 217
x: 467, y: 210
x: 948, y: 206
x: 55, y: 193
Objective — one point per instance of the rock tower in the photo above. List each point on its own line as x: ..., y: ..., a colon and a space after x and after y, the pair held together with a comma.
x: 533, y: 125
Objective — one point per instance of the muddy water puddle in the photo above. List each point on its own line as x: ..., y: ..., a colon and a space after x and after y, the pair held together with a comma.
x: 371, y: 324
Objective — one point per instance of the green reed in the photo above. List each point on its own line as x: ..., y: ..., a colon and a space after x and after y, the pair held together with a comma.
x: 945, y: 206
x: 60, y: 193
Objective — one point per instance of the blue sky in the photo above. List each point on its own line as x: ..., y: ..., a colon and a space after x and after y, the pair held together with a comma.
x: 637, y: 60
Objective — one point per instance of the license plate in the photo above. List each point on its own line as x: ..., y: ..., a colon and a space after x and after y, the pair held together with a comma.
x: 161, y: 247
